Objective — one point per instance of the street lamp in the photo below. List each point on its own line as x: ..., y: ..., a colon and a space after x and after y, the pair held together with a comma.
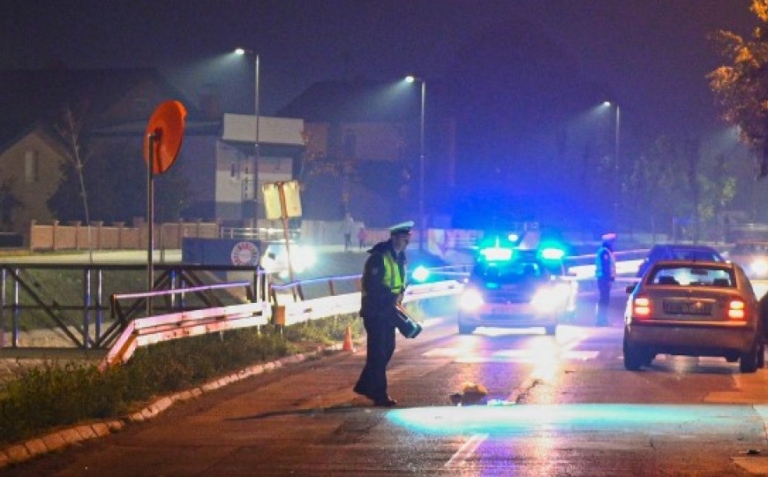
x: 242, y: 52
x: 413, y: 79
x: 617, y: 145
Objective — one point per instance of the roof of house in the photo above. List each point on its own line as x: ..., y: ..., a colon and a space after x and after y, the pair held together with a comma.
x: 36, y: 97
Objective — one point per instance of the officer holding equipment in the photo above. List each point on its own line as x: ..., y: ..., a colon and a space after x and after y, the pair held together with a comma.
x: 382, y: 292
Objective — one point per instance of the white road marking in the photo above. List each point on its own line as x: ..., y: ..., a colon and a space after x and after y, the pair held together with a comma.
x: 466, y: 451
x: 529, y: 357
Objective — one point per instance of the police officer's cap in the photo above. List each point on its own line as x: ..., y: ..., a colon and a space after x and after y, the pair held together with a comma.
x: 401, y: 228
x: 609, y: 236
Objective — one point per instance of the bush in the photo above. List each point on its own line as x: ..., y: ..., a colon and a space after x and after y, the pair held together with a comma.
x: 55, y: 394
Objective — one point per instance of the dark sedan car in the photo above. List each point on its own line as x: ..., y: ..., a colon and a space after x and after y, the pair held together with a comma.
x: 678, y: 252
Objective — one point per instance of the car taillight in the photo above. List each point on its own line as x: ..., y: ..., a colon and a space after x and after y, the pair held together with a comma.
x: 641, y: 307
x: 737, y: 310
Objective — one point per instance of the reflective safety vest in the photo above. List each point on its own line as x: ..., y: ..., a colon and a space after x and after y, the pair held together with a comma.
x: 392, y: 277
x: 605, y: 263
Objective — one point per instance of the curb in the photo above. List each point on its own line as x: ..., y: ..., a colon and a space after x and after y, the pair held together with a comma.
x: 61, y: 439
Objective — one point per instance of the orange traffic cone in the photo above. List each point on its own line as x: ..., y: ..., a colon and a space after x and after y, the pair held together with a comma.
x: 348, y: 340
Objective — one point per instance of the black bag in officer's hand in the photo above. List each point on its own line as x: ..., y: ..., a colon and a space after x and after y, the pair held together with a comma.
x: 407, y: 326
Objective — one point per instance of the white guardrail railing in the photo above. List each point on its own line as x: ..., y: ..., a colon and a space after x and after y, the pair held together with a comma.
x: 288, y: 304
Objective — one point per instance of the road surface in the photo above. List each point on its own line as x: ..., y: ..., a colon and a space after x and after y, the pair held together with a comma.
x: 557, y: 406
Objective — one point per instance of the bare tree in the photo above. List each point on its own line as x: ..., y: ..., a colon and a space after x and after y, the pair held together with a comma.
x: 70, y: 128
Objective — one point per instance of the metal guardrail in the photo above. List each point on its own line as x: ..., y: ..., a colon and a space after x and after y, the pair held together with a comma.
x: 154, y: 329
x: 583, y: 266
x: 170, y: 326
x: 290, y: 305
x: 260, y: 233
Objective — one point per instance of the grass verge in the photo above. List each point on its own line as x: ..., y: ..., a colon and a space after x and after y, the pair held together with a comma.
x: 54, y: 395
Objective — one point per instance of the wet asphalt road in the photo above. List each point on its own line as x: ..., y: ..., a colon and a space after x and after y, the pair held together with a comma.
x: 557, y: 406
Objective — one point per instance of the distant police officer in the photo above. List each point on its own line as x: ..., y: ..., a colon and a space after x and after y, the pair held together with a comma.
x: 382, y: 290
x: 605, y: 273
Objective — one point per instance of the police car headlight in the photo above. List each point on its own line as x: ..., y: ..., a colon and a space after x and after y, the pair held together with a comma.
x: 759, y: 266
x: 551, y: 298
x: 471, y: 300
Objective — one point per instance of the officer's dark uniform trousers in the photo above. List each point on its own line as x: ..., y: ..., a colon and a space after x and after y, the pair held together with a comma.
x: 380, y: 348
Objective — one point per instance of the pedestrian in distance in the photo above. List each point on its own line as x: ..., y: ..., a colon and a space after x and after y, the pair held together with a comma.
x: 383, y: 285
x: 362, y: 237
x: 347, y: 226
x: 605, y: 273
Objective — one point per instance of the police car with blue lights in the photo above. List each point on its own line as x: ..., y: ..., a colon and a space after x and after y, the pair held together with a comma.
x: 511, y: 287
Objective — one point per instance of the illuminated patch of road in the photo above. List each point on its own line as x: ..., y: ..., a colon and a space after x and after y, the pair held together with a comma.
x: 467, y: 349
x: 598, y: 426
x: 511, y: 419
x: 546, y: 355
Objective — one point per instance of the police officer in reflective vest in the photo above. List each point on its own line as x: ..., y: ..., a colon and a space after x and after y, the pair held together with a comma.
x: 605, y: 273
x: 382, y: 289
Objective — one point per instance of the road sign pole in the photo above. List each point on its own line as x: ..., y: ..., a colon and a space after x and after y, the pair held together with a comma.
x: 284, y: 216
x: 150, y: 221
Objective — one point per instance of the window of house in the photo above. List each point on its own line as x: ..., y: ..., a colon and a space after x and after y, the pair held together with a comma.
x: 31, y: 167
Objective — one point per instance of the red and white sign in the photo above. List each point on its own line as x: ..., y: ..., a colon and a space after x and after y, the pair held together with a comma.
x: 245, y: 253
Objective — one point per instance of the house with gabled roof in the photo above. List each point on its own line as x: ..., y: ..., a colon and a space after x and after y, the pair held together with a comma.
x: 363, y: 150
x: 108, y: 104
x: 216, y: 162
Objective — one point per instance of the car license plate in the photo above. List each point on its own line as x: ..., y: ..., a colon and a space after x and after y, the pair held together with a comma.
x: 687, y: 307
x: 509, y: 309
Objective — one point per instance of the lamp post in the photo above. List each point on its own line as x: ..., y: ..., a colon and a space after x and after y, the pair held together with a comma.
x: 256, y: 109
x: 422, y: 225
x: 616, y: 150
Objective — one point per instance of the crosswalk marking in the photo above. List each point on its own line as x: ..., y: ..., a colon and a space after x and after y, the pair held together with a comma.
x: 506, y: 356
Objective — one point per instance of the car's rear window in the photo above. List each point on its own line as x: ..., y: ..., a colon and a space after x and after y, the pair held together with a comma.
x: 510, y: 272
x: 692, y: 276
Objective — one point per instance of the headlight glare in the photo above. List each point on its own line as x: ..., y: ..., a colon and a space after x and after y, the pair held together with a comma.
x: 551, y: 298
x: 471, y: 300
x: 759, y: 266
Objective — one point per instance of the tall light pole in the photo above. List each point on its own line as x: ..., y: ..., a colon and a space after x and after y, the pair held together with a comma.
x: 256, y: 109
x: 422, y: 220
x: 616, y: 151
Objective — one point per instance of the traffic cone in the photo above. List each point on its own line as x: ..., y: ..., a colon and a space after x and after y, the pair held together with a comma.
x: 348, y: 340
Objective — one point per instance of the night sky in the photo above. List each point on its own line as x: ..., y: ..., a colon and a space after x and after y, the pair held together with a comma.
x: 650, y: 53
x: 511, y: 70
